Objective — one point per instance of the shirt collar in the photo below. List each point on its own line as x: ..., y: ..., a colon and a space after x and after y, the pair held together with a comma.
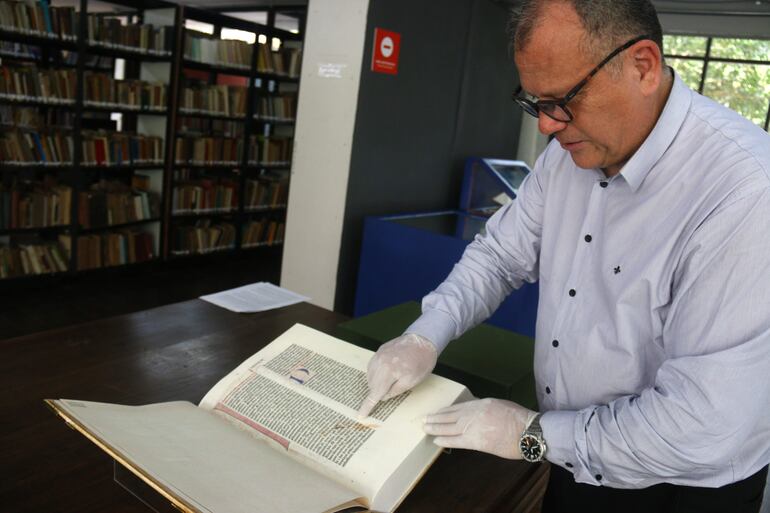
x: 663, y: 133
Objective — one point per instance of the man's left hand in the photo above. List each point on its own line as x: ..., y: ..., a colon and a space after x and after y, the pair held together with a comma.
x: 488, y: 425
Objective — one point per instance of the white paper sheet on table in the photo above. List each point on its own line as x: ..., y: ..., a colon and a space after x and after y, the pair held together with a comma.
x: 256, y: 297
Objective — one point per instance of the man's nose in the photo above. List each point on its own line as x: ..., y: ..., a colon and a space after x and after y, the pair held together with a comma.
x: 548, y: 125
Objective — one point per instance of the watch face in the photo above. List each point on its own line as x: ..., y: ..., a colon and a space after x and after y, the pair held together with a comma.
x: 531, y: 448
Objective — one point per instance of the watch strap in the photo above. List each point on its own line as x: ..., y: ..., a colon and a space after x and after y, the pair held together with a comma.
x: 534, y: 426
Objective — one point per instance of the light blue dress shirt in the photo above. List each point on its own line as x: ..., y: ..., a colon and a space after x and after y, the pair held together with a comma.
x: 652, y: 356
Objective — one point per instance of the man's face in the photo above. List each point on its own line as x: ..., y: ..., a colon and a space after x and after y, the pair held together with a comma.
x: 601, y: 134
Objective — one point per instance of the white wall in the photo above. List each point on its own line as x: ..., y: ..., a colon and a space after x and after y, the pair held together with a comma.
x: 326, y: 114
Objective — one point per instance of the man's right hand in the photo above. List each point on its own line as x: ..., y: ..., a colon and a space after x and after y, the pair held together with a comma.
x: 396, y: 367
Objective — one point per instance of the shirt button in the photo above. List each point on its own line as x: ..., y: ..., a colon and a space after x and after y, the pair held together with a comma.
x: 603, y: 184
x: 555, y: 343
x: 572, y: 292
x: 598, y: 477
x: 547, y: 390
x: 588, y: 238
x: 568, y: 465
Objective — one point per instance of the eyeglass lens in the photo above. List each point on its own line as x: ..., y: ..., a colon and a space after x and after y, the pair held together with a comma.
x: 551, y: 110
x: 554, y: 111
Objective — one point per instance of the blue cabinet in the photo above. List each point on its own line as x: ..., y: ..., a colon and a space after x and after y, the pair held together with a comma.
x: 404, y: 257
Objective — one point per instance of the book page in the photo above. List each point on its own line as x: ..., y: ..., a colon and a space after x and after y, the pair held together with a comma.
x: 303, y: 391
x: 195, y: 457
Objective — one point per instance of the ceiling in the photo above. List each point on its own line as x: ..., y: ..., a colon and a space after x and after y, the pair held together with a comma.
x: 721, y: 7
x: 663, y: 6
x: 728, y: 6
x: 240, y: 4
x: 701, y: 6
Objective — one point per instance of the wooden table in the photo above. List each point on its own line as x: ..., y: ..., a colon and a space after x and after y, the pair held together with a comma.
x: 176, y: 352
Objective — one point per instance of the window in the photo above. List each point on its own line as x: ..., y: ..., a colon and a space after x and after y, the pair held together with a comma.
x: 734, y: 72
x: 240, y: 35
x: 206, y: 28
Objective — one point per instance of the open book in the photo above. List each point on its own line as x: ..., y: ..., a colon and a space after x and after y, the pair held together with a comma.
x: 277, y: 434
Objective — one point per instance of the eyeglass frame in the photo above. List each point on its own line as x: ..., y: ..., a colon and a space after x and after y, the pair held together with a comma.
x: 534, y: 108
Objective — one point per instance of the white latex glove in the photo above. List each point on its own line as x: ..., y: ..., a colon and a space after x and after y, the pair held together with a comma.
x: 488, y: 425
x: 397, y: 366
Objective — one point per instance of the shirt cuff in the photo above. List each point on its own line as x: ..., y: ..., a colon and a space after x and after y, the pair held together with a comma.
x: 436, y: 326
x: 566, y: 444
x: 559, y: 435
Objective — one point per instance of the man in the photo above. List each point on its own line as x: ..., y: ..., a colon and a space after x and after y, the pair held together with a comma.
x: 647, y: 224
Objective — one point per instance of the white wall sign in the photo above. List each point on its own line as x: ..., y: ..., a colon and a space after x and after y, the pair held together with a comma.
x: 330, y: 69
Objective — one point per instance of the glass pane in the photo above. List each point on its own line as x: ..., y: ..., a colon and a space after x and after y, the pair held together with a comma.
x: 447, y: 224
x: 285, y: 22
x: 255, y: 16
x: 690, y: 46
x: 690, y: 70
x: 744, y: 88
x: 749, y: 49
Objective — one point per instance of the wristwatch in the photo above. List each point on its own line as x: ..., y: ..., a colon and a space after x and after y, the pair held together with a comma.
x: 531, y: 443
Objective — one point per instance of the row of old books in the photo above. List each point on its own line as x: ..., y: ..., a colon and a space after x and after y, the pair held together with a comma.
x: 103, y: 148
x: 121, y: 247
x: 36, y: 204
x: 111, y: 202
x: 19, y: 50
x: 27, y: 118
x: 266, y: 193
x: 264, y: 232
x: 188, y: 126
x: 277, y: 108
x: 19, y: 147
x: 100, y: 148
x: 31, y: 259
x: 284, y: 61
x: 205, y: 195
x: 69, y: 58
x: 204, y: 236
x: 269, y: 150
x: 237, y: 54
x: 224, y: 52
x: 263, y: 150
x: 94, y: 251
x: 208, y: 150
x: 28, y: 83
x: 58, y: 86
x: 38, y: 18
x: 220, y: 100
x: 105, y: 91
x: 146, y: 39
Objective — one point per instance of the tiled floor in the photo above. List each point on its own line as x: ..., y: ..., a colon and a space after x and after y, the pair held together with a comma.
x: 40, y: 304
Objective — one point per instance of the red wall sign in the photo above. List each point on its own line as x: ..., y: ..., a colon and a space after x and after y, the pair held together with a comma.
x: 385, y: 52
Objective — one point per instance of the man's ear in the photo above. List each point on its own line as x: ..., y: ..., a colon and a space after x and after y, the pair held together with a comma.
x: 647, y: 62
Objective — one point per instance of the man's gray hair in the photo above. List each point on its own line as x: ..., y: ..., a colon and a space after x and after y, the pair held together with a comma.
x: 608, y: 23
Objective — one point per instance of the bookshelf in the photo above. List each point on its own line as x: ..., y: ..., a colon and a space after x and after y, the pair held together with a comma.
x: 217, y: 205
x: 129, y: 137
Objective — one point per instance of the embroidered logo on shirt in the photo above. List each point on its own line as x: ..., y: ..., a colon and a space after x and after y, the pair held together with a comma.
x: 617, y: 270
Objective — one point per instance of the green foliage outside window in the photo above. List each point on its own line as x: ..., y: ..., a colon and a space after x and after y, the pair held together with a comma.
x: 744, y: 87
x: 745, y: 49
x: 690, y: 70
x: 689, y: 46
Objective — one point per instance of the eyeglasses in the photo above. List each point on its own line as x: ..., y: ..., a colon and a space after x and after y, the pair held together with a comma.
x: 557, y: 108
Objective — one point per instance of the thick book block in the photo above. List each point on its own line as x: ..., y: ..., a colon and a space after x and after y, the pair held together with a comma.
x: 280, y: 433
x: 490, y: 361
